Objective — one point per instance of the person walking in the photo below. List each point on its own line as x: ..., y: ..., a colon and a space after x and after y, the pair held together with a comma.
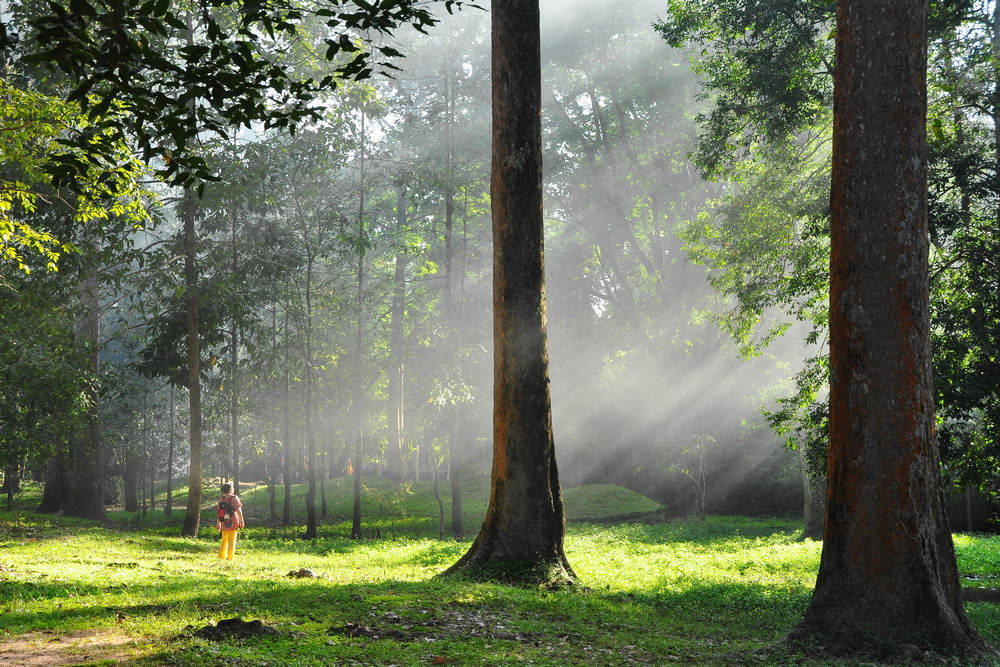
x: 230, y: 521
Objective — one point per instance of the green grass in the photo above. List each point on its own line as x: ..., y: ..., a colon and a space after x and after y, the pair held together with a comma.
x: 682, y: 591
x: 596, y: 501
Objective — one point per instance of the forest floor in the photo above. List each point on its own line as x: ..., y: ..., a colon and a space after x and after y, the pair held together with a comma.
x: 681, y: 591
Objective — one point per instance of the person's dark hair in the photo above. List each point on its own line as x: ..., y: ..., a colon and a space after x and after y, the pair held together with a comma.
x: 226, y: 488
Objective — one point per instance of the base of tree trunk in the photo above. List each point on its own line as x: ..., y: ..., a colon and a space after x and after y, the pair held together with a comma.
x: 837, y: 636
x: 485, y: 565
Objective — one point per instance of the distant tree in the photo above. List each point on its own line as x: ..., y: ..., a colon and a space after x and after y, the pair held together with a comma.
x: 522, y: 535
x: 225, y: 75
x: 887, y: 575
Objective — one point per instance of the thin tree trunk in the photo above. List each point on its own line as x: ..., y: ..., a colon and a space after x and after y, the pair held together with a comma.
x: 86, y: 471
x: 11, y: 482
x: 358, y: 409
x: 150, y: 457
x: 437, y: 497
x: 521, y: 538
x: 234, y: 361
x: 888, y: 578
x: 168, y: 508
x: 454, y: 453
x: 54, y: 495
x: 311, y: 519
x: 970, y: 526
x: 286, y: 464
x: 322, y: 487
x: 143, y: 470
x: 192, y: 517
x: 813, y: 500
x: 130, y: 482
x: 455, y: 460
x: 234, y: 408
x: 270, y: 454
x: 396, y: 451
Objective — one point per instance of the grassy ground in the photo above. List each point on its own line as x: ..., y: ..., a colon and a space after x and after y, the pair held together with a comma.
x: 684, y: 591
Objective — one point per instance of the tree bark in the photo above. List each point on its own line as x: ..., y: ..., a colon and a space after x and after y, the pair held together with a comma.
x: 887, y: 576
x: 521, y: 538
x: 192, y: 517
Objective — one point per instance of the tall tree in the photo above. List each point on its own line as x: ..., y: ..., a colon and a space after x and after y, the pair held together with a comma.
x: 887, y: 574
x: 357, y: 400
x: 522, y: 535
x: 192, y: 516
x: 395, y: 449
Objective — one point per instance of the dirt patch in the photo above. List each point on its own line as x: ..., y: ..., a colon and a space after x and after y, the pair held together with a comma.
x: 439, y: 624
x: 235, y: 628
x: 350, y: 629
x: 48, y: 648
x: 303, y: 573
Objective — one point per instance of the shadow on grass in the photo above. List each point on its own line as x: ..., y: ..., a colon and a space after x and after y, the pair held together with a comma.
x: 401, y: 617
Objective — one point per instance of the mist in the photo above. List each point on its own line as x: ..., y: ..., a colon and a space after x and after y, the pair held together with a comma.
x: 345, y: 279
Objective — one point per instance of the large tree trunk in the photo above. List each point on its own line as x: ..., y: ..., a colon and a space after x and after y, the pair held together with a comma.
x: 887, y: 577
x: 521, y: 538
x: 192, y: 518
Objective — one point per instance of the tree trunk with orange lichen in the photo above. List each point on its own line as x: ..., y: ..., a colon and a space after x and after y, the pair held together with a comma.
x: 521, y: 539
x: 888, y: 583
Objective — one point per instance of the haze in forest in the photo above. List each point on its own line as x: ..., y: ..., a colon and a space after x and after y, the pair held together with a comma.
x: 639, y: 371
x: 369, y: 231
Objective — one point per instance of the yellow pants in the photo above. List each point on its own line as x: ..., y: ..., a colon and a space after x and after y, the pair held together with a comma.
x: 228, y: 547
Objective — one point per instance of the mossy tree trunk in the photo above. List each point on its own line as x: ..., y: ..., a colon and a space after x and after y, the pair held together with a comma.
x: 521, y: 538
x: 888, y: 576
